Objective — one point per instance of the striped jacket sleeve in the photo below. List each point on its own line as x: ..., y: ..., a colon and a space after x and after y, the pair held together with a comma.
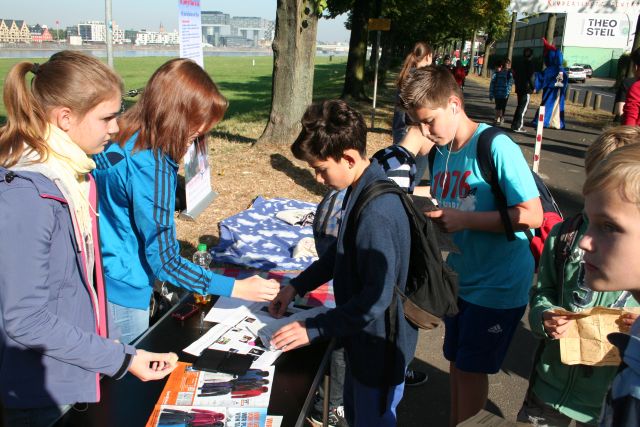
x: 152, y: 192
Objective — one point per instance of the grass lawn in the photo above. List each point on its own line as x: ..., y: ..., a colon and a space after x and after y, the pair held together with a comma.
x: 247, y: 86
x: 242, y: 171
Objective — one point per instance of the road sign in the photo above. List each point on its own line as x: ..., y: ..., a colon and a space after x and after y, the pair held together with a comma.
x: 379, y: 24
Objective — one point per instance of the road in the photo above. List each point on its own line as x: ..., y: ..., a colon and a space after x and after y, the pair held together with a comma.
x: 596, y: 85
x: 562, y: 167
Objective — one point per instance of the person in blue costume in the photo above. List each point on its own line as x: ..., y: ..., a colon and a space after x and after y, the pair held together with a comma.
x: 553, y: 81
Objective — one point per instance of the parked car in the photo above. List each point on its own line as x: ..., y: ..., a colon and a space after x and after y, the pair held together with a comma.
x: 587, y: 69
x: 576, y: 73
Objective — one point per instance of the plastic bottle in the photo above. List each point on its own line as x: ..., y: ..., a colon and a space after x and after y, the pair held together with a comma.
x: 202, y: 257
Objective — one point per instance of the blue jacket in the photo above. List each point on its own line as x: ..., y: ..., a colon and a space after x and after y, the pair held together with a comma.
x: 622, y: 403
x: 53, y: 331
x: 500, y: 86
x: 137, y: 202
x: 363, y: 283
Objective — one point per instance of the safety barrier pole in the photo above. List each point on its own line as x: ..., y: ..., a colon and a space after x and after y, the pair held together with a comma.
x: 538, y: 145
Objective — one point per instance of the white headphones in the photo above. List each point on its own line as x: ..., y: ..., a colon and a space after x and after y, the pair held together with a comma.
x: 453, y: 107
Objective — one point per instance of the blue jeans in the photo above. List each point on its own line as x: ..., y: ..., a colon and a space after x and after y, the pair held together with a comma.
x: 33, y: 417
x: 336, y: 388
x: 132, y: 322
x: 362, y: 403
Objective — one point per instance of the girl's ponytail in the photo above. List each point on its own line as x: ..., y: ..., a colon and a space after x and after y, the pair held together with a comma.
x: 418, y: 53
x: 26, y: 120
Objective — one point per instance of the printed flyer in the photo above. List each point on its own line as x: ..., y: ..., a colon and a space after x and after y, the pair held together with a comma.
x: 213, y: 398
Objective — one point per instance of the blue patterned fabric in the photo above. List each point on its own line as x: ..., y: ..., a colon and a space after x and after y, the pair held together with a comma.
x: 256, y: 238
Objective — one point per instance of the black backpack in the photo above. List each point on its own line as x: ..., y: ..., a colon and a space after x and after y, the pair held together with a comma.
x: 550, y: 210
x: 431, y: 291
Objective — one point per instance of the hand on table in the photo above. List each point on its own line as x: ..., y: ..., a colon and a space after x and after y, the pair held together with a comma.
x: 255, y: 288
x: 279, y: 305
x: 290, y: 336
x: 555, y: 325
x: 152, y: 366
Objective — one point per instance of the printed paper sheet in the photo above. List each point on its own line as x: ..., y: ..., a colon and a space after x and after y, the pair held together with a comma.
x: 586, y: 340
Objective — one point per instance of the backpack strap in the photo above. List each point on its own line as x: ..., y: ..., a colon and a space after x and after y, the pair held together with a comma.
x: 432, y: 157
x: 562, y: 247
x: 371, y: 191
x: 490, y: 175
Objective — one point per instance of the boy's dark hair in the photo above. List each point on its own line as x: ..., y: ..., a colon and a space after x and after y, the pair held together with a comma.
x: 431, y: 87
x: 328, y: 129
x: 635, y: 57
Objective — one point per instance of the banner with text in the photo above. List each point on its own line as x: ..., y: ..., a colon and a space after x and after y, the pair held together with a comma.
x: 575, y: 6
x: 190, y: 30
x: 603, y: 31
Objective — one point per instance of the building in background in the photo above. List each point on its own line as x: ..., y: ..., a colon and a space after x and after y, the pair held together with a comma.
x: 40, y: 34
x: 96, y: 32
x: 14, y: 31
x: 221, y: 29
x: 214, y: 26
x: 145, y: 38
x: 584, y: 38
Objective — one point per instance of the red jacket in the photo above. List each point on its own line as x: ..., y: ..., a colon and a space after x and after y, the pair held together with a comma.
x: 459, y: 74
x: 632, y: 106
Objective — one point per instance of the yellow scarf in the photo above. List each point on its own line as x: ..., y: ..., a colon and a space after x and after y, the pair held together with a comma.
x: 72, y: 165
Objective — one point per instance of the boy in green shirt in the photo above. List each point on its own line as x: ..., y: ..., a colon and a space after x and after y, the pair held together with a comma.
x: 561, y: 393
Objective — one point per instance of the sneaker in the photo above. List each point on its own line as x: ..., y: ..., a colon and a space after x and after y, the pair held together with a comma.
x: 335, y: 419
x: 414, y: 378
x: 520, y: 130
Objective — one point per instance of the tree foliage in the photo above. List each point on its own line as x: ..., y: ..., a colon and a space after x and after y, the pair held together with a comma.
x: 439, y: 22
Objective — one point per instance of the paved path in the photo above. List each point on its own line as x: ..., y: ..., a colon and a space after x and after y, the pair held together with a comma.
x: 562, y: 167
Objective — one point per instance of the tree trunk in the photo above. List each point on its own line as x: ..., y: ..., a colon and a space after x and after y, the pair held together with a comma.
x: 636, y: 45
x: 377, y: 13
x: 488, y: 44
x: 294, y: 51
x: 354, y: 74
x: 473, y: 50
x: 551, y: 28
x: 512, y: 36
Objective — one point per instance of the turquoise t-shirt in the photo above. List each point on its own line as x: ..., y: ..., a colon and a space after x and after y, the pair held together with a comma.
x: 493, y: 271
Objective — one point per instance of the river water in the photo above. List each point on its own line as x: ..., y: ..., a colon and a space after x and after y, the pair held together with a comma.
x: 119, y: 52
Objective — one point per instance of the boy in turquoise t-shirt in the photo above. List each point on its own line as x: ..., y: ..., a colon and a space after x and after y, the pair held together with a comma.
x: 495, y: 274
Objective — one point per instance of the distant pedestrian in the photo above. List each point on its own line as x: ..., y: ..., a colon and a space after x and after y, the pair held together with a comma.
x: 460, y: 74
x: 553, y: 82
x: 623, y: 90
x: 631, y: 108
x: 446, y: 62
x: 479, y: 64
x: 500, y: 89
x: 524, y: 80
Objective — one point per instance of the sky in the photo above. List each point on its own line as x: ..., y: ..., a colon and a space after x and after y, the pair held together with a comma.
x: 148, y: 14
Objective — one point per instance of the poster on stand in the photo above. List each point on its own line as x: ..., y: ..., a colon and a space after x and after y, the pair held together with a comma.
x: 190, y: 30
x: 197, y: 178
